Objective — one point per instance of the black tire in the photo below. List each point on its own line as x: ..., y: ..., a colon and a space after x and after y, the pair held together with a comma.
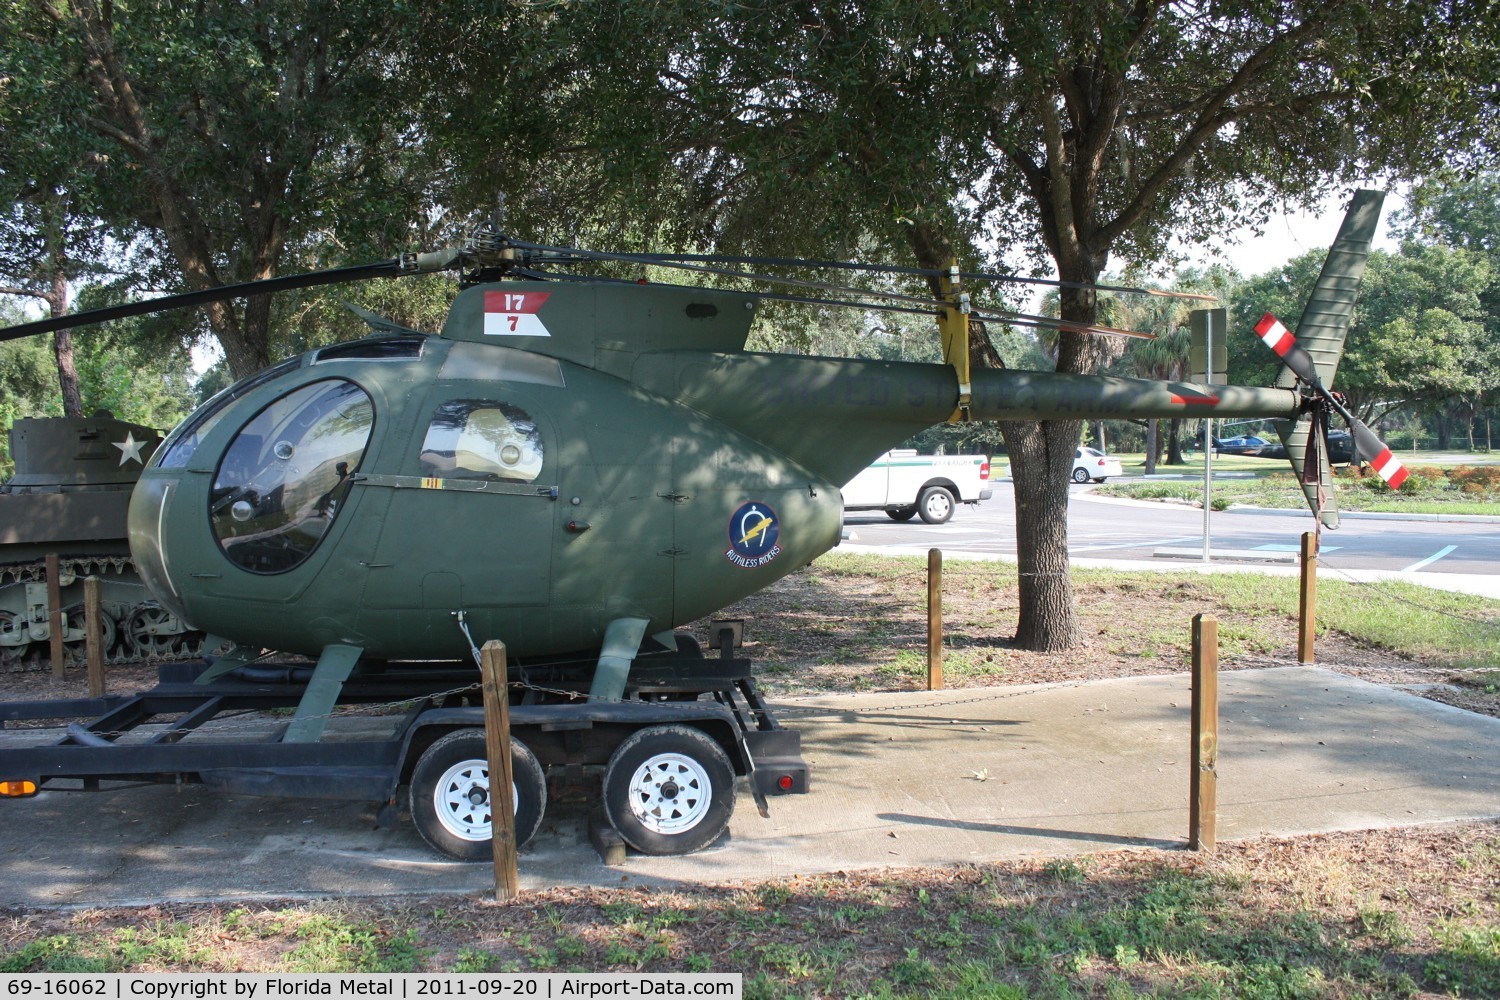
x: 669, y: 790
x: 1080, y: 475
x: 936, y: 505
x: 901, y: 513
x: 450, y: 795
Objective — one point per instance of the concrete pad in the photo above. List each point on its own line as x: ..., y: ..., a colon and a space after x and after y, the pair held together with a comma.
x: 907, y: 778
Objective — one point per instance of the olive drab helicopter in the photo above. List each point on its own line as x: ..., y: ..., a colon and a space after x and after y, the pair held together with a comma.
x: 579, y: 466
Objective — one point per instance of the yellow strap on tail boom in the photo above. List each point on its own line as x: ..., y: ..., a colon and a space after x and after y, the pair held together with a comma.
x: 953, y: 326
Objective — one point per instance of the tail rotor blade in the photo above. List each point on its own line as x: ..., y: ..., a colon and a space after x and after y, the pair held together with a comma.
x: 1372, y: 451
x: 1279, y: 339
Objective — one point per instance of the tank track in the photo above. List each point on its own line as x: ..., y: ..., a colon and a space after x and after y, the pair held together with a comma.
x: 137, y: 629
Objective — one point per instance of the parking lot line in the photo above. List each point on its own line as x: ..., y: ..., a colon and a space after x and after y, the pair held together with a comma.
x: 1146, y: 543
x: 1430, y: 559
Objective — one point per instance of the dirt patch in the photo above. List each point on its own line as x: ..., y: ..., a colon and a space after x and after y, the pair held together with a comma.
x: 862, y: 630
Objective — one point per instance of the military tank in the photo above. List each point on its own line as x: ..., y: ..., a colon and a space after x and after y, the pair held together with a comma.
x: 69, y: 498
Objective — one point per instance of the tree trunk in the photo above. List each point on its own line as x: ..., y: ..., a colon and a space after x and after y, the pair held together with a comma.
x: 1099, y: 434
x: 58, y: 304
x: 67, y: 373
x: 1041, y: 460
x: 1152, y: 447
x: 1174, y: 443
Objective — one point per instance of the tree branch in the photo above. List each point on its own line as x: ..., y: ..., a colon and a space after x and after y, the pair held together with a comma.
x: 1216, y: 113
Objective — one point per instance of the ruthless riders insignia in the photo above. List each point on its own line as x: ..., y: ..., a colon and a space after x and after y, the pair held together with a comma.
x: 753, y: 530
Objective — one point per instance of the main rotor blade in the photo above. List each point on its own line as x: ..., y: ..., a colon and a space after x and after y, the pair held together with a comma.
x: 383, y: 269
x: 698, y: 262
x: 910, y: 303
x: 667, y: 260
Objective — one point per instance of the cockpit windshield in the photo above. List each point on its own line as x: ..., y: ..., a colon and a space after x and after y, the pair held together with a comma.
x: 286, y: 474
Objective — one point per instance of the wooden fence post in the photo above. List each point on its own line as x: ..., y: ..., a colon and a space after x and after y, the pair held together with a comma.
x: 55, y: 614
x: 93, y: 612
x: 1204, y: 781
x: 934, y: 619
x: 497, y: 747
x: 1307, y: 604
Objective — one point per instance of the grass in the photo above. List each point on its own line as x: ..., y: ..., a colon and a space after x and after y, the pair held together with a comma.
x: 1390, y: 914
x: 1430, y: 491
x: 1411, y: 621
x: 1280, y: 490
x: 872, y: 613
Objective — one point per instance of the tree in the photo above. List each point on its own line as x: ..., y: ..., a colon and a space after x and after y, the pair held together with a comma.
x: 40, y: 236
x: 1464, y: 213
x: 1068, y: 132
x: 1418, y: 339
x: 227, y: 134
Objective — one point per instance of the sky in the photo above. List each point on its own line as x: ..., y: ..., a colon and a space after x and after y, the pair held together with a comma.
x: 1255, y: 251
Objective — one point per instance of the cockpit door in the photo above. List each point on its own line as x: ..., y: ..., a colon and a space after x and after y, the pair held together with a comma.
x: 469, y: 524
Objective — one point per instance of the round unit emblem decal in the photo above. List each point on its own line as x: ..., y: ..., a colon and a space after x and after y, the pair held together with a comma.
x: 753, y: 531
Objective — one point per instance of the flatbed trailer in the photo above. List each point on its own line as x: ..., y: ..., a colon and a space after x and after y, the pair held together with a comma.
x: 666, y: 754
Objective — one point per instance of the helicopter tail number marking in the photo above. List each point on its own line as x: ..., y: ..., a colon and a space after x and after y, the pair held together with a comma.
x: 514, y: 314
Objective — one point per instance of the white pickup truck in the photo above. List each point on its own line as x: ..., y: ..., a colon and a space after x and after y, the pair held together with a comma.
x: 903, y: 484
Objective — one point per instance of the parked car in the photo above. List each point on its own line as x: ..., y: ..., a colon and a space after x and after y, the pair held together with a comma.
x: 1091, y: 464
x: 905, y: 484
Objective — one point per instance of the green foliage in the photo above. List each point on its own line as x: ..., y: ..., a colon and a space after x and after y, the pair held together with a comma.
x: 1468, y: 961
x: 330, y: 943
x: 1418, y: 337
x: 298, y: 147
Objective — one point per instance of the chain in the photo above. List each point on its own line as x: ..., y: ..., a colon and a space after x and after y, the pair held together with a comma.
x: 1375, y: 587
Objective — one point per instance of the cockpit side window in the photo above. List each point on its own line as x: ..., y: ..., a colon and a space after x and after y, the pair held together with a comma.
x: 286, y: 474
x: 482, y: 439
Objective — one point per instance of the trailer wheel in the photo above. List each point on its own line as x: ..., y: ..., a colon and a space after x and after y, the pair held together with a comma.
x: 935, y: 505
x: 450, y: 795
x: 901, y: 513
x: 669, y: 790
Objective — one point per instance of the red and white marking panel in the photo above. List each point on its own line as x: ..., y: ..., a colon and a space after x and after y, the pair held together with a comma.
x: 514, y: 314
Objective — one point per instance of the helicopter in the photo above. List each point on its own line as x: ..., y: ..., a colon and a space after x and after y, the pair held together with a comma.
x: 580, y: 467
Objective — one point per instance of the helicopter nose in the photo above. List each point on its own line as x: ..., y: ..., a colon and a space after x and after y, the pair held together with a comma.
x: 148, y: 506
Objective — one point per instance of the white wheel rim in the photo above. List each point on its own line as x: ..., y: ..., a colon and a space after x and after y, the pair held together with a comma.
x: 461, y: 800
x: 670, y: 793
x: 937, y: 505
